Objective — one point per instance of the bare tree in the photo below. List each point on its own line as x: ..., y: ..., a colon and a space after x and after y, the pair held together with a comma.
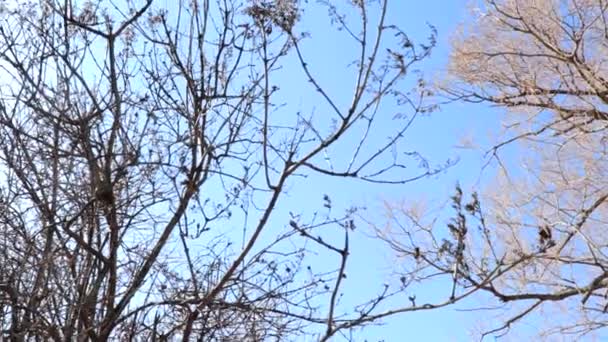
x: 136, y: 142
x: 538, y: 244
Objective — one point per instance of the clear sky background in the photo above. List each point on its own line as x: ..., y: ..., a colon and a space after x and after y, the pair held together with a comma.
x: 436, y: 137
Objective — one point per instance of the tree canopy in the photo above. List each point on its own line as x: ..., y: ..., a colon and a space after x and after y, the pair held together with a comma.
x: 534, y: 239
x: 150, y: 155
x: 136, y: 136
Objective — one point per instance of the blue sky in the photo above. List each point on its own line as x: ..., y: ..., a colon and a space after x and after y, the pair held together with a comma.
x: 436, y: 137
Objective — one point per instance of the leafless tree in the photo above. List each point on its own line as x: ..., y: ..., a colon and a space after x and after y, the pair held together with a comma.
x: 539, y: 242
x: 144, y: 153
